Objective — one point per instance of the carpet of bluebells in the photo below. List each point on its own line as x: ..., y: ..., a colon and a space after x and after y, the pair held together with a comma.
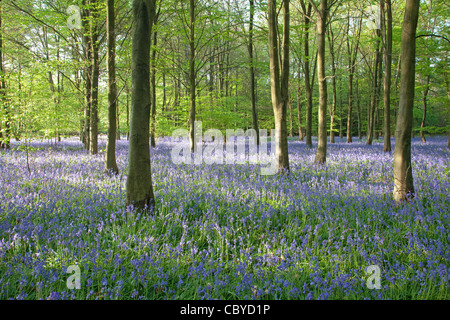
x: 224, y: 231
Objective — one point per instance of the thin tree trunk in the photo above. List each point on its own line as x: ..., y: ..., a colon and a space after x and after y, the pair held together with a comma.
x: 424, y: 99
x: 118, y: 124
x: 333, y: 82
x: 308, y: 83
x: 321, y: 155
x: 110, y: 163
x: 301, y: 134
x: 341, y: 115
x: 352, y: 55
x: 95, y: 77
x: 163, y: 108
x: 403, y: 178
x: 358, y: 106
x: 127, y: 90
x: 375, y: 98
x: 291, y: 128
x: 4, y: 140
x: 87, y: 47
x: 192, y: 78
x: 387, y: 33
x: 252, y: 73
x: 139, y: 181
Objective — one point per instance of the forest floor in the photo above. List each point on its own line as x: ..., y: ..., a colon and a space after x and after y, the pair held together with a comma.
x: 224, y: 231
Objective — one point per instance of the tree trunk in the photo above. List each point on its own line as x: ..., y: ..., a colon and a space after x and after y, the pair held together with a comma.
x: 387, y: 33
x: 301, y: 134
x: 308, y: 84
x: 110, y: 164
x: 291, y: 128
x: 341, y: 121
x: 403, y: 178
x: 153, y: 86
x: 127, y: 90
x: 252, y: 73
x: 425, y: 95
x: 95, y: 76
x: 192, y: 78
x: 279, y: 89
x: 358, y: 106
x: 4, y: 140
x: 163, y: 108
x: 118, y: 124
x: 352, y: 55
x: 333, y: 82
x: 375, y: 98
x: 87, y: 44
x: 139, y: 182
x: 321, y: 155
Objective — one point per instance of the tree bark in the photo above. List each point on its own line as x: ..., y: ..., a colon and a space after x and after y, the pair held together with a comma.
x: 192, y: 78
x: 111, y: 164
x: 279, y: 88
x: 333, y: 82
x: 252, y: 72
x: 376, y: 90
x: 352, y: 56
x: 139, y: 182
x: 387, y: 32
x: 358, y: 106
x: 301, y: 134
x: 4, y: 140
x: 308, y: 84
x: 424, y: 99
x: 153, y: 85
x: 403, y: 178
x: 87, y: 46
x: 321, y: 155
x: 95, y: 77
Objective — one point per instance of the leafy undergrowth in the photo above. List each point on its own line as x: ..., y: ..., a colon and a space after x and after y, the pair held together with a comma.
x: 224, y: 231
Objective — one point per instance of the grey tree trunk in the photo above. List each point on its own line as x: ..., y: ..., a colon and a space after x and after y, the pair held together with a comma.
x: 110, y: 163
x: 308, y: 84
x: 333, y: 82
x: 301, y: 134
x: 387, y: 33
x: 376, y: 90
x: 87, y: 46
x: 358, y: 107
x: 192, y: 77
x: 321, y: 155
x: 352, y: 55
x: 5, y: 140
x: 279, y: 88
x: 403, y: 178
x: 252, y: 72
x: 424, y: 99
x: 153, y: 85
x: 93, y: 133
x: 139, y: 182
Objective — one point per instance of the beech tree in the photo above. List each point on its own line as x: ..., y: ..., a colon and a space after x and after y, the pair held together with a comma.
x: 403, y: 178
x: 111, y: 164
x: 4, y: 139
x: 252, y: 71
x: 386, y: 20
x: 279, y: 87
x: 139, y: 182
x: 322, y: 13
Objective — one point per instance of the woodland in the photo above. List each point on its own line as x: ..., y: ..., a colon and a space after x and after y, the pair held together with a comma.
x: 356, y: 95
